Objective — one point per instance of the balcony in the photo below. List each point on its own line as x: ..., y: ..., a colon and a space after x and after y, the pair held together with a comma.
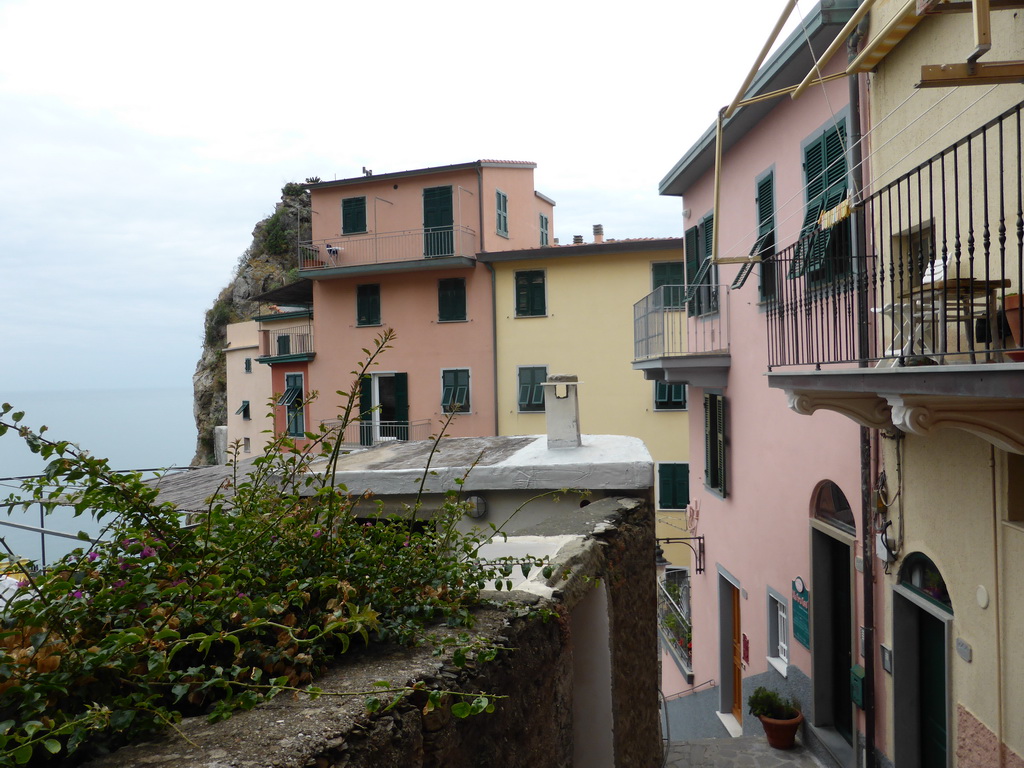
x: 681, y: 334
x: 916, y: 329
x: 674, y: 618
x: 286, y: 345
x: 365, y: 434
x: 431, y: 248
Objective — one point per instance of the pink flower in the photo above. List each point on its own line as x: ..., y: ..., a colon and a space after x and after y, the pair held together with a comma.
x: 147, y: 552
x: 118, y: 584
x: 316, y: 534
x: 77, y: 593
x: 93, y: 555
x: 23, y: 583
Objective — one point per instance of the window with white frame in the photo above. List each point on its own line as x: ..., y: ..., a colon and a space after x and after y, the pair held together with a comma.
x: 455, y: 390
x: 778, y: 631
x: 531, y: 393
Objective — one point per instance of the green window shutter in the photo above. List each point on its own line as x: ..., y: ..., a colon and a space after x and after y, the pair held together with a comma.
x: 834, y: 156
x: 673, y: 486
x: 368, y: 305
x: 693, y: 261
x: 544, y: 234
x: 501, y: 213
x: 669, y: 397
x: 438, y: 218
x: 765, y: 245
x: 402, y: 405
x: 720, y: 444
x: 672, y: 273
x: 365, y: 410
x: 451, y: 299
x: 530, y: 299
x: 708, y: 230
x: 709, y: 451
x: 353, y: 215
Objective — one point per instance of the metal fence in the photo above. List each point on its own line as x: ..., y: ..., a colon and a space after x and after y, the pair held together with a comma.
x: 383, y: 247
x: 681, y: 320
x: 944, y: 247
x: 297, y: 340
x: 674, y: 618
x: 369, y: 433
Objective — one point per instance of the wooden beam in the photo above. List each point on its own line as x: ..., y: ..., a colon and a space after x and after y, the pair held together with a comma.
x: 887, y: 39
x: 981, y: 73
x: 963, y: 6
x: 982, y: 31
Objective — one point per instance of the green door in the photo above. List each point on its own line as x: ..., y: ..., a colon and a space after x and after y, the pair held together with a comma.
x: 438, y: 238
x: 932, y: 682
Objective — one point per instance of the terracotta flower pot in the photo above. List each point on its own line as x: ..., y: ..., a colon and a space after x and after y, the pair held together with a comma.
x: 781, y: 733
x: 1011, y: 309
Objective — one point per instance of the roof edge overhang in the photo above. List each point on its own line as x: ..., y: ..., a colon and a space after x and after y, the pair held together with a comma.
x: 423, y: 172
x: 787, y: 66
x: 586, y: 249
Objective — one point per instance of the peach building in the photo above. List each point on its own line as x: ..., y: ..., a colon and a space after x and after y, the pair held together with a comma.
x: 399, y: 251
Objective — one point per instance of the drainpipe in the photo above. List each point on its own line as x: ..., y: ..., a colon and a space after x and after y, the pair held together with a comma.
x: 859, y: 251
x: 494, y: 293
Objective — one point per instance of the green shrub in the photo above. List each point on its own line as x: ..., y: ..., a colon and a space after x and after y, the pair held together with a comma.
x: 158, y: 621
x: 767, y: 703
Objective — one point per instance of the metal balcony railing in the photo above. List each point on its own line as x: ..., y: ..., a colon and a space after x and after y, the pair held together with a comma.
x: 674, y: 618
x: 944, y: 247
x: 280, y: 342
x: 678, y: 320
x: 369, y: 433
x: 387, y: 247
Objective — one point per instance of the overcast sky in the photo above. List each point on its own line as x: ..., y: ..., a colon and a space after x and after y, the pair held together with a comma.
x: 141, y: 142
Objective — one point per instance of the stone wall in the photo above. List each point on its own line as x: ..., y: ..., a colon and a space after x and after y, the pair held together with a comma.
x: 612, y: 548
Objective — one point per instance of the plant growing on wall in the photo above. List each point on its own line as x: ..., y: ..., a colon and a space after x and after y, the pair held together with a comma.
x: 160, y: 620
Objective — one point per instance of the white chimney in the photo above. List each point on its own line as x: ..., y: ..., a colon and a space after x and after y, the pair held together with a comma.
x: 562, y: 406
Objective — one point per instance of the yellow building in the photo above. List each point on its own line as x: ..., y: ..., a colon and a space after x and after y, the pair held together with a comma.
x: 569, y: 310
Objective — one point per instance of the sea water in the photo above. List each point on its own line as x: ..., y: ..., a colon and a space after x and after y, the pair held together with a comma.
x: 132, y: 428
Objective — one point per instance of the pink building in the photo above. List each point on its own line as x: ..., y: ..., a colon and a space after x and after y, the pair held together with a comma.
x: 772, y: 493
x: 398, y: 250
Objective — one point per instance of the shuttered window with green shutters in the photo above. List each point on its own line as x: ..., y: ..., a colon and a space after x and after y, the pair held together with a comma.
x: 294, y: 394
x: 673, y: 485
x: 544, y: 233
x: 353, y: 215
x: 368, y: 305
x: 672, y: 274
x: 714, y: 443
x: 531, y: 393
x: 825, y: 178
x: 701, y: 296
x: 669, y: 397
x: 765, y: 245
x: 451, y: 299
x: 530, y: 294
x: 455, y: 390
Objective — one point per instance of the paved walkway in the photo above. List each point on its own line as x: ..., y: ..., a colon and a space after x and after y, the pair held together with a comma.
x: 744, y: 752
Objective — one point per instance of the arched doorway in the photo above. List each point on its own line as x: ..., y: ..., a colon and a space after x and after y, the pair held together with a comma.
x: 832, y: 536
x: 922, y: 631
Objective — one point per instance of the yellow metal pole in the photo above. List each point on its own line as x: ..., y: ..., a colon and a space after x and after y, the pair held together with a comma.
x: 718, y: 186
x: 761, y: 56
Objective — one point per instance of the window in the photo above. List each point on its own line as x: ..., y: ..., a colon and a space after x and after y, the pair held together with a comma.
x: 368, y: 305
x: 243, y: 410
x: 714, y: 442
x: 455, y: 390
x: 818, y: 250
x: 544, y: 227
x: 764, y: 246
x: 673, y: 486
x: 353, y: 215
x: 530, y: 297
x: 501, y: 221
x: 292, y: 401
x: 778, y: 631
x: 248, y: 365
x: 701, y: 275
x: 670, y: 274
x: 669, y: 397
x: 451, y: 299
x: 531, y: 393
x: 246, y: 445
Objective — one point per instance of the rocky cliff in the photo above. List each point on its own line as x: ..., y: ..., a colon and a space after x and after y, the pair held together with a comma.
x: 270, y: 261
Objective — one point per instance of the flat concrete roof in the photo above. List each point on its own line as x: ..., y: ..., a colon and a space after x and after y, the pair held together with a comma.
x: 602, y: 462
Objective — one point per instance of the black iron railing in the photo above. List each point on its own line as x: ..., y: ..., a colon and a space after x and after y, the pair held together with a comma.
x: 943, y: 254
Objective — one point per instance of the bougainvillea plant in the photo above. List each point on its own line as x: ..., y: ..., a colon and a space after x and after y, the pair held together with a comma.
x: 167, y: 617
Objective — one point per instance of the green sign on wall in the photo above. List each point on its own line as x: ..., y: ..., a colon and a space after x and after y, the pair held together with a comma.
x: 801, y: 618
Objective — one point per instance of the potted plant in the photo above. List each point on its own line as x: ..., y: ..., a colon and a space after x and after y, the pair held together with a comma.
x: 779, y: 716
x: 1011, y: 311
